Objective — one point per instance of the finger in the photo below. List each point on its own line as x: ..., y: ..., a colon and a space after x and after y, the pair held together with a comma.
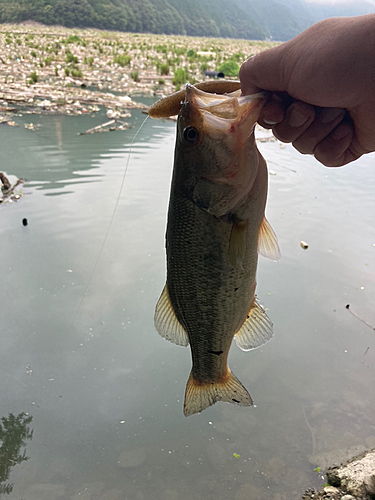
x: 298, y: 118
x: 265, y: 70
x: 337, y: 149
x: 273, y: 112
x: 326, y: 120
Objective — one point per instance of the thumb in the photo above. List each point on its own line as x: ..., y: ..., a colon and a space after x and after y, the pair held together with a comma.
x: 264, y: 71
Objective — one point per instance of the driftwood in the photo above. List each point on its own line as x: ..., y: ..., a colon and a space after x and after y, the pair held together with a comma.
x: 101, y: 128
x: 9, y: 191
x: 97, y: 128
x: 5, y: 182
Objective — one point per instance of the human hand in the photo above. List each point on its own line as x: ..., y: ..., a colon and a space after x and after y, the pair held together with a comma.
x: 322, y: 89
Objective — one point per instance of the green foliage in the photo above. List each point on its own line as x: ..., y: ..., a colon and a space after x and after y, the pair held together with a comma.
x: 180, y: 77
x: 161, y: 49
x: 203, y: 68
x: 230, y: 68
x: 76, y: 73
x: 134, y: 76
x: 164, y: 69
x: 225, y: 18
x: 14, y: 432
x: 161, y: 81
x: 191, y: 53
x: 122, y: 60
x: 33, y: 53
x: 47, y: 61
x: 33, y: 77
x: 67, y: 71
x: 70, y: 58
x: 73, y: 39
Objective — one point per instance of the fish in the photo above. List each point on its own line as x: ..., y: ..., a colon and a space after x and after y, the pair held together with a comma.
x: 216, y: 227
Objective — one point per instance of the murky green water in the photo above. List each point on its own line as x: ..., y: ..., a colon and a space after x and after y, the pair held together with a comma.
x: 103, y: 392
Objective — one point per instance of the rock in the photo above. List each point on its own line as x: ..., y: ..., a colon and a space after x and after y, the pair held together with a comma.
x: 331, y: 489
x: 357, y: 476
x: 131, y: 458
x: 347, y: 497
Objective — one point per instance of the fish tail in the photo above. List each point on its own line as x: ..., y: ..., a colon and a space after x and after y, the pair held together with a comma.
x: 201, y: 395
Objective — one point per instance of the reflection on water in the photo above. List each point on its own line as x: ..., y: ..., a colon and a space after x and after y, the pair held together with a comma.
x: 79, y: 349
x: 14, y: 432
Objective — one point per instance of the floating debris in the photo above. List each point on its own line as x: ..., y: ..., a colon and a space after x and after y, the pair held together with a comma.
x: 31, y: 126
x: 8, y: 190
x: 5, y: 121
x: 106, y: 127
x: 304, y: 245
x: 358, y: 317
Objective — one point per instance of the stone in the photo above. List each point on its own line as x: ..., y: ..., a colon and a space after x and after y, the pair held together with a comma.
x: 357, y: 476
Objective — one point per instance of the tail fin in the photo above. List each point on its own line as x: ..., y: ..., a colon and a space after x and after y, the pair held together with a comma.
x: 199, y: 396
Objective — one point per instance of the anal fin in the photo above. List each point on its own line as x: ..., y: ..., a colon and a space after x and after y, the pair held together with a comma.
x: 166, y: 322
x: 199, y: 396
x: 256, y: 330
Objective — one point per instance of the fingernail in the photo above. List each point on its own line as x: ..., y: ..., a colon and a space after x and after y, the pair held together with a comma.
x: 330, y: 114
x: 297, y: 118
x: 269, y: 122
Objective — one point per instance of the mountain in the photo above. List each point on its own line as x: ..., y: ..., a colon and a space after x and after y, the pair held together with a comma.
x: 251, y: 19
x: 219, y: 18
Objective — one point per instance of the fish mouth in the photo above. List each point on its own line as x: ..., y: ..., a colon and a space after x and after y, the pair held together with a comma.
x: 223, y: 114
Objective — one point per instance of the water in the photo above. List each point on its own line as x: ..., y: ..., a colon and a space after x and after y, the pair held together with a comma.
x: 103, y: 392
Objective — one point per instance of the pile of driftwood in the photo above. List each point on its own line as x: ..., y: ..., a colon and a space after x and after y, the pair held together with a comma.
x: 7, y: 189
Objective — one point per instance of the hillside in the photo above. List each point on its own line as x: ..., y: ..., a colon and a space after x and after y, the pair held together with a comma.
x: 249, y: 19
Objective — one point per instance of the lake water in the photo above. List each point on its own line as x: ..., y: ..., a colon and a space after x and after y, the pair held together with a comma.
x: 83, y: 369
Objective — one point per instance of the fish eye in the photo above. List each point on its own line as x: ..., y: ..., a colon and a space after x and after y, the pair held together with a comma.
x: 190, y: 134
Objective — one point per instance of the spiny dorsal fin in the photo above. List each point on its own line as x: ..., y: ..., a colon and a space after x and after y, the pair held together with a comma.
x: 256, y: 330
x: 267, y: 242
x: 199, y: 396
x: 166, y: 322
x: 237, y: 243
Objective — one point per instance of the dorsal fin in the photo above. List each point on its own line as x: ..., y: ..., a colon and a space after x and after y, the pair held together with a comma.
x: 267, y: 242
x: 166, y: 322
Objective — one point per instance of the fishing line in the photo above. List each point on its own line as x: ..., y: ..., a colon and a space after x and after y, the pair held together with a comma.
x: 111, y: 221
x: 358, y: 317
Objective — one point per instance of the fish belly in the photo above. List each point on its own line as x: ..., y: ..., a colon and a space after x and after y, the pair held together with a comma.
x: 210, y: 296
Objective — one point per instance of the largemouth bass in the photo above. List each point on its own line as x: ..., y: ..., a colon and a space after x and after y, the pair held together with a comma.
x: 216, y: 227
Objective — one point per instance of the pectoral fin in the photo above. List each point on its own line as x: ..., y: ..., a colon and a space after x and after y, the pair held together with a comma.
x: 267, y: 242
x: 237, y: 243
x: 256, y: 330
x: 166, y: 322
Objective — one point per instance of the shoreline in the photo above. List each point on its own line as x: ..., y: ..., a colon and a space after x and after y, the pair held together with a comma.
x: 65, y: 70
